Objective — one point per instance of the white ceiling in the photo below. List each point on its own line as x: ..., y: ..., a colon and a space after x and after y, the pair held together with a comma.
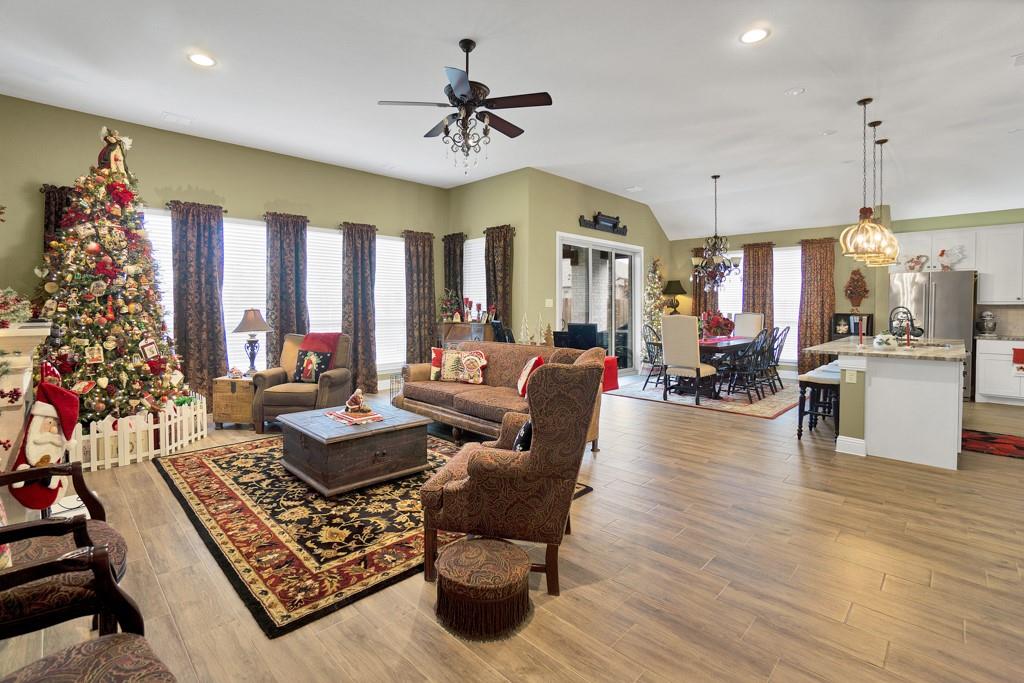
x: 655, y: 93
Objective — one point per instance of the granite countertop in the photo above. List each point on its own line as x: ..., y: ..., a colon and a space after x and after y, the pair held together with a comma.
x: 922, y: 349
x: 1000, y: 337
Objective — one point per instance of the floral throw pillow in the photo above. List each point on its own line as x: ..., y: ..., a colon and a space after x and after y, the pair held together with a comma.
x: 309, y: 365
x: 473, y: 364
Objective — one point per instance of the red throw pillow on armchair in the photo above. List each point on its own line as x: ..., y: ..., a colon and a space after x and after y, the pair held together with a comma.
x: 524, y: 376
x: 321, y: 342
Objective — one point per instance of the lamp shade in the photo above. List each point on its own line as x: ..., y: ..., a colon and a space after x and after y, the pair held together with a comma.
x: 252, y: 321
x: 673, y: 288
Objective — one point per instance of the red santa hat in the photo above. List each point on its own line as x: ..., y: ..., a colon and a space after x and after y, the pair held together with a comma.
x: 58, y: 402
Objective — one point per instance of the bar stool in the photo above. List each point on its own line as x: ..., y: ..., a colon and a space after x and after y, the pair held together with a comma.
x: 823, y: 383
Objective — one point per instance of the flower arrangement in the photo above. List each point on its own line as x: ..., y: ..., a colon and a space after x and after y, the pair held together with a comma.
x: 715, y: 324
x: 450, y: 304
x: 14, y: 308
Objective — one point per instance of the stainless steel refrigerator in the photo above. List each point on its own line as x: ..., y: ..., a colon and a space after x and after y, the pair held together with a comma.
x: 942, y: 304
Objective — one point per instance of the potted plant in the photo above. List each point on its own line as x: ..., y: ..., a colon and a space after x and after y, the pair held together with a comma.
x: 716, y: 324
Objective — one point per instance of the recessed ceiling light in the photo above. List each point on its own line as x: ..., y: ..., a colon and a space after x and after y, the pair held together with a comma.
x: 829, y: 131
x: 793, y: 92
x: 754, y: 35
x: 1016, y: 130
x: 633, y: 189
x: 201, y: 59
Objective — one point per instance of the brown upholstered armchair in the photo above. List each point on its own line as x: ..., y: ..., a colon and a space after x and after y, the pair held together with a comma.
x: 276, y: 393
x: 64, y: 568
x: 491, y: 490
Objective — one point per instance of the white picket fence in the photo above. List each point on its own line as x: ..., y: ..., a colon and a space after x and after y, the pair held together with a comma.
x: 140, y: 437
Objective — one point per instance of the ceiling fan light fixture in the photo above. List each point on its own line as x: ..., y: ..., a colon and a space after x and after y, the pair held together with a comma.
x: 754, y: 35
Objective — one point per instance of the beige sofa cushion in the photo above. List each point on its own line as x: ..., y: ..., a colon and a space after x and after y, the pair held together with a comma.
x: 436, y: 393
x: 290, y: 394
x: 490, y: 403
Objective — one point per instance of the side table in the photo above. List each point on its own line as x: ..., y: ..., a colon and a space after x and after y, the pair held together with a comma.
x: 232, y: 401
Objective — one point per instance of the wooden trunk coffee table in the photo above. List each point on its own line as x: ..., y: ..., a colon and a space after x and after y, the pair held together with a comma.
x: 333, y: 457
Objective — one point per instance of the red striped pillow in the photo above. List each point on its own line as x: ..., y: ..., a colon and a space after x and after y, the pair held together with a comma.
x: 524, y: 376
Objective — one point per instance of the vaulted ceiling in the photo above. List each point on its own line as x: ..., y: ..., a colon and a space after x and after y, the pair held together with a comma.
x: 654, y: 94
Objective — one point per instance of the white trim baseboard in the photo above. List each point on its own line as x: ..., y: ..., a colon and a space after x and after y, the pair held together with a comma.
x: 851, y: 446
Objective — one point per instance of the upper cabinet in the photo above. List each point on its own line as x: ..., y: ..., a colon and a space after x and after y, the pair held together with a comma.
x: 937, y: 250
x: 1000, y: 251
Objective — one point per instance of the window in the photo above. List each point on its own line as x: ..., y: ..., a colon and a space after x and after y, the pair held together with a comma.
x: 323, y: 279
x: 786, y: 275
x: 730, y: 292
x: 474, y: 279
x: 245, y: 285
x: 158, y: 226
x: 389, y: 301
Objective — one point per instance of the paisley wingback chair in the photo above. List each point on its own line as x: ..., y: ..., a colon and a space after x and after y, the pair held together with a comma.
x: 491, y: 490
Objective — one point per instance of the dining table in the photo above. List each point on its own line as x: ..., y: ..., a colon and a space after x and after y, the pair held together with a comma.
x: 716, y: 350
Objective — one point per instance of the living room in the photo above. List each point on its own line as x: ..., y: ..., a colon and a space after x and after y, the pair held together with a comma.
x: 567, y: 388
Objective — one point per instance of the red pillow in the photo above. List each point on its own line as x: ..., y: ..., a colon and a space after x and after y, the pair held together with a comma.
x: 528, y: 369
x: 321, y: 342
x: 436, y: 355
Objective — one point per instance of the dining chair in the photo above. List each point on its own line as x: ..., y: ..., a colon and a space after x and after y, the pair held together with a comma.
x: 748, y: 324
x: 680, y: 344
x: 652, y: 344
x: 745, y: 370
x: 778, y: 346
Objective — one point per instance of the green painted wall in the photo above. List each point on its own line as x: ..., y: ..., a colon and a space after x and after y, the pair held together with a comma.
x: 43, y: 144
x: 877, y: 278
x: 851, y: 405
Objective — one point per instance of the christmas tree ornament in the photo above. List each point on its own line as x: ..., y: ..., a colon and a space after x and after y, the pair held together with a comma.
x: 93, y: 248
x: 51, y: 287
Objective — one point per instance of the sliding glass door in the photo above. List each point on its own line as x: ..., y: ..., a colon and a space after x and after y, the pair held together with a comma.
x: 597, y: 288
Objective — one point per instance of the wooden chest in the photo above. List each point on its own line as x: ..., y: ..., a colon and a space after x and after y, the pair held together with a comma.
x: 232, y: 401
x: 334, y: 458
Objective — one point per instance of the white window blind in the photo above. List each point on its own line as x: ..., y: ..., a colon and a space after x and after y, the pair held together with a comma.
x: 786, y: 274
x: 730, y: 293
x: 323, y: 278
x: 245, y: 285
x: 474, y: 279
x: 389, y: 301
x: 158, y: 226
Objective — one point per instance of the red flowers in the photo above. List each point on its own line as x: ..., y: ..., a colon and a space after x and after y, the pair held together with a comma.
x: 120, y: 193
x: 716, y: 324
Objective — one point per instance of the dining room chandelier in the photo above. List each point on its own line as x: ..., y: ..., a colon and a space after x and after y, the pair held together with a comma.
x: 715, y: 264
x: 464, y: 137
x: 866, y: 240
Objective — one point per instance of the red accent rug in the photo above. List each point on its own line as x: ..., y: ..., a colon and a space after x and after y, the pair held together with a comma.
x: 293, y: 555
x: 993, y: 444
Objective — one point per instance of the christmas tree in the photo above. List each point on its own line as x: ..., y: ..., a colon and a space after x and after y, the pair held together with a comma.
x: 654, y: 300
x: 108, y: 338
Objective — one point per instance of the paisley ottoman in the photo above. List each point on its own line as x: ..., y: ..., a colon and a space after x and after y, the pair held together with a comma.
x: 483, y: 587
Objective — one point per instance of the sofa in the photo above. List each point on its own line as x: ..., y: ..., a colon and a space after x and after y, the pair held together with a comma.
x: 480, y: 408
x: 276, y: 393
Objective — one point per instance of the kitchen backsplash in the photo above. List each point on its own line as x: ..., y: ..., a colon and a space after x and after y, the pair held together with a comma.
x: 1009, y: 319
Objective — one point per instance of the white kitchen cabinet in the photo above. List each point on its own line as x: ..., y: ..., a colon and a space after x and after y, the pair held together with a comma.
x: 995, y: 381
x: 912, y: 244
x: 931, y: 244
x: 1000, y: 252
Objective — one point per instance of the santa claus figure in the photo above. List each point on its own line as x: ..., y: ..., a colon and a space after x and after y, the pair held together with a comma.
x: 50, y: 431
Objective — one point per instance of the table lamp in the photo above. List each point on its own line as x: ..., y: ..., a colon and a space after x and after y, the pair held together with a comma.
x: 252, y: 322
x: 673, y: 289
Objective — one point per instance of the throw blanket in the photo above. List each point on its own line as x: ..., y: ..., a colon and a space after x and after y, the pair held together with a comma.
x: 324, y: 342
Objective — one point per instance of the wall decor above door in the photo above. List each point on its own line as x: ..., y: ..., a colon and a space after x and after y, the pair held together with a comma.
x: 604, y: 223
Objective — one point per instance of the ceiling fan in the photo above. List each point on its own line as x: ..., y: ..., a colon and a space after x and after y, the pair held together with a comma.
x: 473, y: 102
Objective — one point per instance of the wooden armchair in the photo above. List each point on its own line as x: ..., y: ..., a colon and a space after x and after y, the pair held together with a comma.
x: 63, y: 568
x: 491, y: 490
x: 276, y: 393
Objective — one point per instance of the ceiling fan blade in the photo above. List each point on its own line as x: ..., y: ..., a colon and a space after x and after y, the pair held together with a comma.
x: 460, y: 82
x: 436, y: 130
x: 401, y: 103
x: 536, y: 99
x: 499, y: 124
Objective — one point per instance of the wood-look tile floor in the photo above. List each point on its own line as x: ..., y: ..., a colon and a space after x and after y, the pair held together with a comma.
x: 714, y: 547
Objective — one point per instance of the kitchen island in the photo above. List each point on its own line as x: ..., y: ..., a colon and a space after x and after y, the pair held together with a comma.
x: 899, y: 402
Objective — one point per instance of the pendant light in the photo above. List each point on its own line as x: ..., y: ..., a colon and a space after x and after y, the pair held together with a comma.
x: 865, y: 239
x: 891, y: 250
x: 715, y: 265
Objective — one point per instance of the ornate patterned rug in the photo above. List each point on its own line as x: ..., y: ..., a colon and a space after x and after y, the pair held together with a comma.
x: 292, y: 555
x: 769, y: 408
x: 993, y: 444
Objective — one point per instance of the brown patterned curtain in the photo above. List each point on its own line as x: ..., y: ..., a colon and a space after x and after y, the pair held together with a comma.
x: 419, y: 295
x: 358, y: 318
x: 56, y: 200
x: 702, y: 301
x: 817, y: 298
x: 454, y: 246
x: 286, y: 280
x: 197, y: 255
x: 758, y: 278
x: 498, y: 269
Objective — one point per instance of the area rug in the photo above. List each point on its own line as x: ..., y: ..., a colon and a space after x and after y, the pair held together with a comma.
x: 292, y: 555
x: 993, y: 444
x: 768, y: 408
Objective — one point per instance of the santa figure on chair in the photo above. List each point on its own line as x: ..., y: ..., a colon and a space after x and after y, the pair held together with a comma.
x: 50, y: 431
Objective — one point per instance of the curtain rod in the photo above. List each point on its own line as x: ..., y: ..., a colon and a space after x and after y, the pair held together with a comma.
x: 168, y: 204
